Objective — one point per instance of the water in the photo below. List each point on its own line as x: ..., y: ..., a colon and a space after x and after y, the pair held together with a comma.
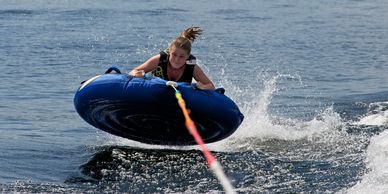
x: 310, y: 78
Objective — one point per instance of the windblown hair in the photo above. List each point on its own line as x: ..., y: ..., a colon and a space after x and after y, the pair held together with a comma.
x: 186, y: 38
x: 192, y: 33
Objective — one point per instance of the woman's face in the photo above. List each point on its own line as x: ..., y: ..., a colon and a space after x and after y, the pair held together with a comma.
x: 178, y: 57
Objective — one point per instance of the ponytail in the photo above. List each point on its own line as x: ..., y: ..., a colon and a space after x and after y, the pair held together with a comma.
x: 186, y: 38
x: 192, y: 33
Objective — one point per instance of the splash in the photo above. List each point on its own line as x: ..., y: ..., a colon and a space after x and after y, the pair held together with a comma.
x: 260, y: 125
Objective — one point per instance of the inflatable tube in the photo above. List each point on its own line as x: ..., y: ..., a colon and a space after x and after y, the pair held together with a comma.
x: 147, y: 110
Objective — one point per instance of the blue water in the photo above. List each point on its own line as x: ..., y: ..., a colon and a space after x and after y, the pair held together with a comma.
x: 310, y: 77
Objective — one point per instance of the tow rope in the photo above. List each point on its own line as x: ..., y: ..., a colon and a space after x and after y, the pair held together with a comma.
x: 212, y: 162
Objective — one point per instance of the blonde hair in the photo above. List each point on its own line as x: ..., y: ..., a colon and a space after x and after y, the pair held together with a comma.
x: 192, y: 33
x: 186, y: 38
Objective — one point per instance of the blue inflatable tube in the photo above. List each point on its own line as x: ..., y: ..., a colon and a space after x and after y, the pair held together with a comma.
x: 147, y: 110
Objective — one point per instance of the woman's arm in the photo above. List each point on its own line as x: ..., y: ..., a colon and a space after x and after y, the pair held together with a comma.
x: 203, y: 82
x: 146, y: 67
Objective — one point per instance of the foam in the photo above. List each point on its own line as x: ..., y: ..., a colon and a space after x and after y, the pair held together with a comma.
x: 376, y: 178
x: 377, y: 115
x: 374, y: 119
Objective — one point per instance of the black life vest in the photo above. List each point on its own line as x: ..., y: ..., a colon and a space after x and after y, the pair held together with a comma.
x: 161, y: 70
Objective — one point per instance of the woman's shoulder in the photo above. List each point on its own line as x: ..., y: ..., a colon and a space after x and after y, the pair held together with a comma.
x: 154, y: 60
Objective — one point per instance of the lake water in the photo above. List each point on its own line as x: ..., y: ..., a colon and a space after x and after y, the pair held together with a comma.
x: 310, y: 78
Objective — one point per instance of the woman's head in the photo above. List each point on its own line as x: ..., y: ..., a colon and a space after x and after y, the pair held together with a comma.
x: 186, y: 38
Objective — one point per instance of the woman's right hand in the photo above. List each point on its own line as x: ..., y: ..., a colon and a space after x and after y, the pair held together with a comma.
x: 137, y: 73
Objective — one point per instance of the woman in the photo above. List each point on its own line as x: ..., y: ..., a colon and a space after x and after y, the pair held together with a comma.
x: 172, y: 64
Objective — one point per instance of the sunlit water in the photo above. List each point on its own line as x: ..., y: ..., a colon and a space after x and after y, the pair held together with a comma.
x: 310, y: 78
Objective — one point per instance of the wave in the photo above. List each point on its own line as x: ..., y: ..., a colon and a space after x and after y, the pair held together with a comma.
x: 377, y: 115
x: 18, y: 12
x: 376, y: 178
